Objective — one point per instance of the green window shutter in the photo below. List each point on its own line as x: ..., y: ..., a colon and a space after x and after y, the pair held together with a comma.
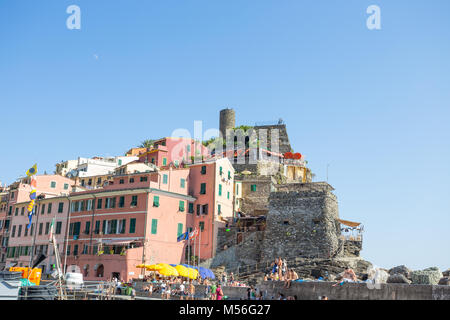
x: 201, y: 225
x: 229, y: 174
x: 220, y: 171
x: 220, y: 189
x: 66, y: 186
x: 203, y: 188
x: 164, y: 161
x: 228, y: 195
x: 165, y: 178
x: 154, y: 226
x: 253, y: 187
x: 104, y: 227
x: 181, y: 206
x: 203, y: 170
x: 53, y: 184
x: 180, y: 229
x: 182, y: 183
x: 132, y: 225
x: 191, y: 207
x: 219, y: 209
x: 156, y: 201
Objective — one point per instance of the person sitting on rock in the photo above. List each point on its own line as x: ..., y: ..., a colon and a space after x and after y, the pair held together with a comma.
x: 347, y: 276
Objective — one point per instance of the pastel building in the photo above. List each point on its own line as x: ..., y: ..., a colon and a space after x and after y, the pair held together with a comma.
x: 21, y: 237
x: 47, y: 187
x: 137, y: 218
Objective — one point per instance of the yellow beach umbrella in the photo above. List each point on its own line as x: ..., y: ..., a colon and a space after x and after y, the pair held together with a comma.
x: 168, y: 271
x: 182, y: 270
x: 154, y: 267
x: 192, y: 273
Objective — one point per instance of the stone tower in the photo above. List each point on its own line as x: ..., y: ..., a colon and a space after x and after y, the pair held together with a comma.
x: 227, y: 120
x: 302, y: 222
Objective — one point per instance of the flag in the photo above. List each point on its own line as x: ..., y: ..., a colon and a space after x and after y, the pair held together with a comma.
x: 183, y: 236
x: 32, y: 171
x: 51, y: 229
x: 193, y: 234
x: 33, y: 194
x: 30, y: 206
x: 30, y: 218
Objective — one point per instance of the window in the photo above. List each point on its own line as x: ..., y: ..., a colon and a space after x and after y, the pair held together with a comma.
x: 181, y: 206
x: 60, y: 207
x: 113, y: 227
x: 122, y: 225
x: 228, y: 195
x: 164, y: 161
x: 134, y: 201
x: 198, y: 209
x: 76, y: 228
x: 99, y: 203
x: 201, y: 225
x: 133, y: 225
x: 10, y: 210
x: 203, y: 188
x: 188, y: 148
x: 237, y: 189
x: 41, y: 225
x: 205, y: 209
x: 68, y: 250
x: 16, y: 212
x: 229, y: 175
x: 143, y: 179
x: 220, y: 189
x: 121, y: 181
x: 121, y: 202
x: 85, y: 249
x: 97, y: 227
x: 58, y: 227
x: 19, y: 231
x: 66, y: 186
x: 13, y: 232
x: 219, y: 209
x: 22, y: 211
x: 220, y: 171
x: 203, y: 170
x: 87, y: 227
x: 53, y: 184
x: 49, y: 208
x: 179, y: 229
x: 131, y: 180
x: 32, y: 229
x: 26, y: 231
x: 75, y: 250
x: 47, y: 227
x: 120, y: 162
x: 156, y: 201
x: 154, y: 226
x: 253, y: 187
x: 182, y: 183
x: 165, y: 178
x: 191, y: 207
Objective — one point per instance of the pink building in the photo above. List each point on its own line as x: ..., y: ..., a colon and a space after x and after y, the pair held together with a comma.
x: 138, y: 218
x: 15, y: 244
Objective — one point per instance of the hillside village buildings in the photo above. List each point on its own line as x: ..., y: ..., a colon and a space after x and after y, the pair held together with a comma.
x: 112, y: 214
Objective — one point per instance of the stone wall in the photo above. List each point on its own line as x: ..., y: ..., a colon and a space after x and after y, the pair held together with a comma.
x: 256, y: 202
x: 284, y: 144
x: 302, y: 223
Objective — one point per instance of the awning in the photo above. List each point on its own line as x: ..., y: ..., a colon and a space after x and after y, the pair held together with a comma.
x: 349, y: 223
x: 113, y: 242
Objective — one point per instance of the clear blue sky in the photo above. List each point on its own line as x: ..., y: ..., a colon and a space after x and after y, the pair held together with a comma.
x: 372, y: 104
